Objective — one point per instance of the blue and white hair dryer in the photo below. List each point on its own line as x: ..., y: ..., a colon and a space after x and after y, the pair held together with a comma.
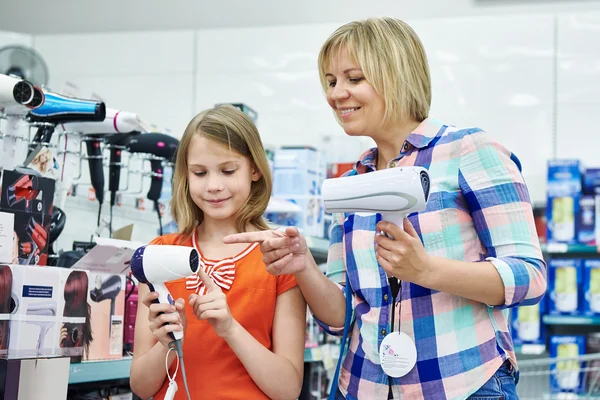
x: 58, y: 109
x: 156, y: 264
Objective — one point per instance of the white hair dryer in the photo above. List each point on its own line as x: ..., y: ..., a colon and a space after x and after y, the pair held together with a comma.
x: 154, y: 265
x: 393, y: 192
x: 18, y: 92
x: 42, y: 309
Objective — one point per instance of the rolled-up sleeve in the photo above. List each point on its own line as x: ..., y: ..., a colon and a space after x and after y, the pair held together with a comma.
x: 336, y: 268
x: 491, y: 181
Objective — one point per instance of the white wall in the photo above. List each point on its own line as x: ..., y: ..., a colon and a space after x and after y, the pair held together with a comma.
x: 501, y: 73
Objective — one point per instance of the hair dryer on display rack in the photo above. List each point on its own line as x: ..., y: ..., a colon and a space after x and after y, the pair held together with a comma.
x: 17, y: 98
x: 42, y: 309
x: 114, y: 129
x: 154, y: 265
x: 393, y: 192
x: 162, y: 148
x: 58, y: 109
x: 107, y: 289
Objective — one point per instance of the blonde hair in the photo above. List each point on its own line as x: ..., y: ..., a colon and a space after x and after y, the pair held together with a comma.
x: 393, y: 60
x: 229, y: 126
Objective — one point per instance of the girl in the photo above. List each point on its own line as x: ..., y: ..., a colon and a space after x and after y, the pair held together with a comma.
x: 454, y: 269
x: 242, y: 326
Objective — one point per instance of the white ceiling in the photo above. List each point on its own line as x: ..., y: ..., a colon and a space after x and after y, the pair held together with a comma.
x: 80, y: 16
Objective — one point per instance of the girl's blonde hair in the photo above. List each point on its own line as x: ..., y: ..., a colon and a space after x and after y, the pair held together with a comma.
x: 229, y: 126
x: 393, y: 60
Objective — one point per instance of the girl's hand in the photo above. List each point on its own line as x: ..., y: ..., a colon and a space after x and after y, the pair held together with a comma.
x: 212, y: 306
x: 283, y: 252
x: 163, y: 319
x: 403, y: 257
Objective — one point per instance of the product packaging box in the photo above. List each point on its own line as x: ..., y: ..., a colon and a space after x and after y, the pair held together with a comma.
x: 591, y: 287
x: 565, y: 288
x: 527, y: 326
x: 30, y: 198
x: 296, y: 172
x: 587, y: 220
x: 562, y: 207
x: 567, y: 375
x: 34, y: 322
x: 6, y: 304
x: 106, y: 298
x: 75, y: 335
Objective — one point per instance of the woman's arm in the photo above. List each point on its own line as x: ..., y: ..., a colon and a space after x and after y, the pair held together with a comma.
x: 286, y: 361
x: 511, y: 271
x: 147, y: 373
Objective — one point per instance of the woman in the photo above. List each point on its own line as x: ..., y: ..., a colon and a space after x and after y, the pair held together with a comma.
x: 459, y: 265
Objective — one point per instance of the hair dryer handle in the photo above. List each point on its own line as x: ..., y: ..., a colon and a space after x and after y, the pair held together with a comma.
x: 164, y: 297
x: 94, y: 152
x: 396, y: 219
x: 156, y: 181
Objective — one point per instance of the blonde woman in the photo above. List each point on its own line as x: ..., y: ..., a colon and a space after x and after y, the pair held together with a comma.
x: 243, y: 327
x: 454, y: 269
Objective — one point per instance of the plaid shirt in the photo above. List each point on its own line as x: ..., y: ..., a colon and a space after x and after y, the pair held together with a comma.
x: 478, y: 209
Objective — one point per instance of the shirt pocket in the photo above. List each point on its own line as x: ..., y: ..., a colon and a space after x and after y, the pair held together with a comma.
x: 430, y: 223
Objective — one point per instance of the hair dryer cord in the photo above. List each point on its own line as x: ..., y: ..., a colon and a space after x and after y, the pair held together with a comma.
x: 176, y: 345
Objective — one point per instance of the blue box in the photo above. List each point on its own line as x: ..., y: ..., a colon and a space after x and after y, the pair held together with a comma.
x: 296, y: 172
x: 567, y: 376
x: 562, y: 207
x: 526, y: 324
x: 587, y: 220
x: 591, y: 181
x: 565, y: 288
x: 591, y: 287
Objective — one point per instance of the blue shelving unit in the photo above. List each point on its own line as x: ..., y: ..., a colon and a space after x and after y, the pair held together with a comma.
x: 570, y: 320
x: 562, y: 248
x: 95, y: 371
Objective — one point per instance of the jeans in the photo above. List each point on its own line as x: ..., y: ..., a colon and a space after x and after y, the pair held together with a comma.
x: 501, y: 386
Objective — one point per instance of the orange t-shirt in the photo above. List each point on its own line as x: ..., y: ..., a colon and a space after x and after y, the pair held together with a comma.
x: 213, y: 370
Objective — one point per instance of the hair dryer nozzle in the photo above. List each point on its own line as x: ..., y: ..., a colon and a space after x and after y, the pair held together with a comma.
x: 58, y: 109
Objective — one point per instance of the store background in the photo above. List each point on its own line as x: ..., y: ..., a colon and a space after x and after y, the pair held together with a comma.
x: 526, y: 71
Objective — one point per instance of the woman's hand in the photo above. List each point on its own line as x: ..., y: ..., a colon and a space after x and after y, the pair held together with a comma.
x: 284, y: 252
x: 165, y: 318
x: 404, y: 256
x: 213, y: 306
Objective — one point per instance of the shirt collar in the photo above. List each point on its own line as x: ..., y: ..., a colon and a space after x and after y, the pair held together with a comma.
x: 420, y: 138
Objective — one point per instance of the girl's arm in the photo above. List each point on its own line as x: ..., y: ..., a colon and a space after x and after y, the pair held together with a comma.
x: 286, y: 361
x: 148, y: 372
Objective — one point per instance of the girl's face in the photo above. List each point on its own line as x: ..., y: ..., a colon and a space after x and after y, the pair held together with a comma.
x: 356, y: 103
x: 219, y: 178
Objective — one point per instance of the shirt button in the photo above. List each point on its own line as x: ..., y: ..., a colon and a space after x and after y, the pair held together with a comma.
x: 406, y: 146
x: 392, y: 164
x: 385, y: 297
x: 383, y: 332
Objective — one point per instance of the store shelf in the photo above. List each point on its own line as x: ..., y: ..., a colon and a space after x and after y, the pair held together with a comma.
x: 531, y: 349
x: 108, y: 370
x: 94, y: 371
x: 570, y: 320
x: 318, y: 247
x: 563, y: 248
